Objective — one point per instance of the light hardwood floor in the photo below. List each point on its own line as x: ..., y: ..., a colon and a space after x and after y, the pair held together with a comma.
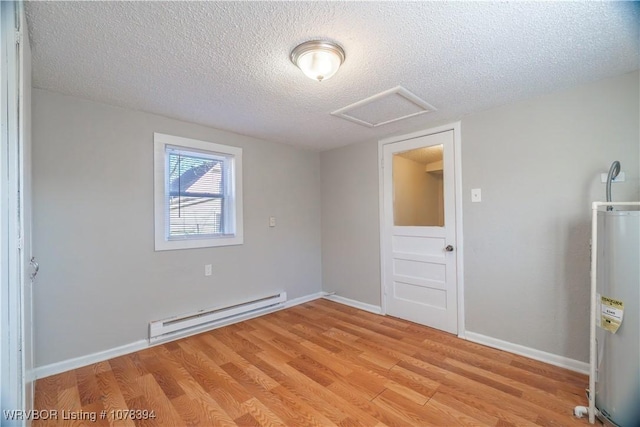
x: 319, y: 364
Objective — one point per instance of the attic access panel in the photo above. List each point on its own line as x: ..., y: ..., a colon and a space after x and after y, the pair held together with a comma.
x: 386, y: 107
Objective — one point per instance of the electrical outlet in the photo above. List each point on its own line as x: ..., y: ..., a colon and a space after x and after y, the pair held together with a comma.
x: 272, y: 221
x: 207, y: 270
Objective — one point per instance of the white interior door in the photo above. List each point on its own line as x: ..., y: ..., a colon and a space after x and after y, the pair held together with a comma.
x: 419, y: 230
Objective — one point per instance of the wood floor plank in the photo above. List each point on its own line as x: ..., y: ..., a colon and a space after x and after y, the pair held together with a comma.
x: 550, y: 401
x: 251, y: 371
x: 328, y: 357
x: 141, y: 402
x: 522, y: 373
x: 212, y: 406
x: 266, y: 345
x: 93, y: 418
x: 386, y: 416
x: 446, y: 401
x: 69, y: 399
x: 315, y: 394
x: 319, y: 364
x: 232, y: 339
x: 217, y: 404
x: 157, y: 367
x: 66, y: 380
x: 262, y: 414
x: 409, y: 412
x: 46, y: 396
x: 209, y: 375
x: 294, y: 409
x: 452, y: 416
x: 489, y: 405
x: 189, y: 411
x: 125, y: 374
x: 112, y: 398
x: 152, y: 394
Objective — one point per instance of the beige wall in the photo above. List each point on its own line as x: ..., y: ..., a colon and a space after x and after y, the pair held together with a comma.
x: 100, y: 280
x: 526, y: 245
x: 417, y: 196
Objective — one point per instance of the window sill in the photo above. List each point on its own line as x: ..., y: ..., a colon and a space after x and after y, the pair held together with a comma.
x: 169, y: 245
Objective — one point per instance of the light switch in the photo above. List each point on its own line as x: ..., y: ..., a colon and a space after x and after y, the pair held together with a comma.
x: 272, y: 221
x: 476, y: 195
x: 207, y: 270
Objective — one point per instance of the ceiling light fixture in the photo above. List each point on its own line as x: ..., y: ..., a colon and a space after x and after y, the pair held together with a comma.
x: 318, y: 59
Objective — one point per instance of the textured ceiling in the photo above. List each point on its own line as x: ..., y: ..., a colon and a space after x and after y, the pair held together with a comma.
x: 424, y: 155
x: 226, y: 64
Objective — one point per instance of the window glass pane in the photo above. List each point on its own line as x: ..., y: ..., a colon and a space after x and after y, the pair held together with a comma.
x: 195, y: 216
x: 418, y: 187
x: 196, y: 194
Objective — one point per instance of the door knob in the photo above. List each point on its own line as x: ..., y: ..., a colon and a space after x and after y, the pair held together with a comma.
x: 449, y: 248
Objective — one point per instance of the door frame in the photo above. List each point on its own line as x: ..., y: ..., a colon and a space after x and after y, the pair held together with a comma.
x: 457, y: 156
x: 15, y: 381
x: 28, y: 268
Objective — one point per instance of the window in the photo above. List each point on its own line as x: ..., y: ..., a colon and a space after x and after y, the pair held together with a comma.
x: 198, y: 193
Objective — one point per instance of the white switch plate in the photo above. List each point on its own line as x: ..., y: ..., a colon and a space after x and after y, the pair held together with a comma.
x: 619, y: 178
x: 272, y: 221
x: 476, y: 195
x: 207, y: 270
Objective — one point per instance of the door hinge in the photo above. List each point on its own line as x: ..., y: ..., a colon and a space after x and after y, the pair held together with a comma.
x: 18, y: 37
x: 20, y: 243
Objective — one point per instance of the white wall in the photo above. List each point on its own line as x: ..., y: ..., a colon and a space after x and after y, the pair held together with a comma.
x: 101, y: 281
x: 526, y: 252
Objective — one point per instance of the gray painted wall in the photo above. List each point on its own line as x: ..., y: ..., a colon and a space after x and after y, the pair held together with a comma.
x: 526, y: 246
x: 101, y: 281
x: 350, y: 237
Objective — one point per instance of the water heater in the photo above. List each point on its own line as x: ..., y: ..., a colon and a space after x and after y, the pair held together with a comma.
x: 617, y: 391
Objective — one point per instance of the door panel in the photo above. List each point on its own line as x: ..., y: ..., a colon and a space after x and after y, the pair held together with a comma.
x: 417, y: 245
x: 419, y: 223
x: 413, y: 293
x: 422, y: 270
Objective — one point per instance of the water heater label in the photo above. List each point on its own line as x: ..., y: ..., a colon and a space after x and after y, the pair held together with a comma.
x: 611, y: 314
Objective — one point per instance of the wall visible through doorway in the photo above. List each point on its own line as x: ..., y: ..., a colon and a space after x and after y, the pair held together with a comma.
x: 418, y: 187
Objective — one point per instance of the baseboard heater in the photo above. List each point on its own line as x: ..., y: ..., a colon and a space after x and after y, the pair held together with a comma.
x: 188, y: 324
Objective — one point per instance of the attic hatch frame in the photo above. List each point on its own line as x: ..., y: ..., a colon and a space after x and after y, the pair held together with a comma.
x: 423, y: 107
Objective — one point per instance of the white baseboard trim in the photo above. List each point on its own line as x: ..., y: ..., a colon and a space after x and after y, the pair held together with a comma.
x: 78, y: 362
x: 353, y: 303
x: 543, y: 356
x: 100, y: 356
x: 302, y: 300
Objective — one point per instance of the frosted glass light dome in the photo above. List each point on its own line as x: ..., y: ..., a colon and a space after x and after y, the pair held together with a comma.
x: 318, y: 60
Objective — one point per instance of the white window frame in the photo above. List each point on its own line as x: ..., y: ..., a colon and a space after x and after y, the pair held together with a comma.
x: 161, y: 214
